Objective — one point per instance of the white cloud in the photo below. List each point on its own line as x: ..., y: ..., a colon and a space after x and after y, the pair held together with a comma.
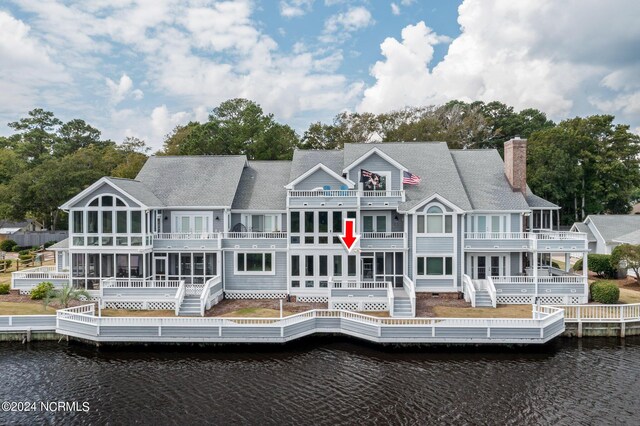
x: 119, y: 90
x: 338, y: 26
x: 295, y: 8
x: 395, y: 9
x: 540, y: 54
x: 29, y: 74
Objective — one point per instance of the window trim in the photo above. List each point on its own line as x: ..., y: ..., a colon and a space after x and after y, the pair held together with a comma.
x: 443, y: 257
x: 245, y: 272
x: 423, y: 215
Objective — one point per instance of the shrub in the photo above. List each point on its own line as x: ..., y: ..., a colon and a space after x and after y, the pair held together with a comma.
x: 6, y: 263
x: 49, y: 244
x: 41, y: 290
x: 605, y: 292
x: 24, y: 252
x: 4, y: 288
x: 26, y: 257
x: 555, y: 265
x: 7, y: 245
x: 578, y: 265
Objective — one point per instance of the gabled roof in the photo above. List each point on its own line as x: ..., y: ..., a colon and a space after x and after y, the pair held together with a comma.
x: 132, y: 188
x: 429, y: 160
x: 611, y: 227
x: 60, y: 245
x: 582, y: 227
x: 312, y: 170
x: 375, y: 150
x: 193, y: 181
x: 303, y: 160
x: 482, y: 173
x: 261, y: 186
x: 538, y: 202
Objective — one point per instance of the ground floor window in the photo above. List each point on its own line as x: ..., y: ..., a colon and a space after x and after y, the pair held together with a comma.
x: 251, y: 263
x: 435, y: 265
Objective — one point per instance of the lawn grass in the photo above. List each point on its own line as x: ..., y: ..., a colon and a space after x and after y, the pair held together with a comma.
x: 502, y: 311
x: 5, y: 277
x: 22, y: 308
x: 629, y: 296
x: 257, y: 313
x: 136, y: 313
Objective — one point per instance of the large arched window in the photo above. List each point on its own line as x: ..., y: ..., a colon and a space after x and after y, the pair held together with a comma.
x: 107, y: 220
x: 435, y: 220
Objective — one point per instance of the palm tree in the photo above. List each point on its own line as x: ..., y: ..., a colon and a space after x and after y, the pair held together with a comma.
x: 67, y: 294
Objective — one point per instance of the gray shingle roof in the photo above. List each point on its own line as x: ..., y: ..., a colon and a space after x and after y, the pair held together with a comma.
x: 304, y: 160
x: 261, y: 186
x: 137, y: 190
x: 534, y: 201
x: 613, y: 226
x: 429, y: 160
x: 482, y: 173
x: 60, y: 245
x: 198, y: 181
x: 630, y: 238
x: 582, y: 227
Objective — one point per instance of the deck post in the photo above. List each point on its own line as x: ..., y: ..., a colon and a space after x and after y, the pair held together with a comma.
x: 535, y: 273
x: 579, y: 328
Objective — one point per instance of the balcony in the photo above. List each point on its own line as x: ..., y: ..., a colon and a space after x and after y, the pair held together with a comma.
x: 550, y: 285
x: 27, y: 279
x: 255, y: 240
x: 546, y: 241
x: 379, y: 240
x: 344, y: 198
x: 187, y: 240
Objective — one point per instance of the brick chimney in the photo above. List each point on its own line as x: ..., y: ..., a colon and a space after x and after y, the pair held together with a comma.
x: 515, y: 163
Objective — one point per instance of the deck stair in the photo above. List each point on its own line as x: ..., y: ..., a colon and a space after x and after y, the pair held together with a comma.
x: 483, y: 300
x: 402, y: 307
x: 190, y: 306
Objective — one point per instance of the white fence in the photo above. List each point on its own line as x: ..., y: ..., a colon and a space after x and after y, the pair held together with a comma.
x: 382, y: 235
x: 601, y: 313
x: 545, y: 323
x: 187, y: 236
x: 256, y: 235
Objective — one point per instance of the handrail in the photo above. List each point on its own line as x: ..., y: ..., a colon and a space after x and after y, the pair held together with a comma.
x: 210, y: 289
x: 41, y: 272
x: 496, y: 235
x: 559, y: 235
x: 383, y: 193
x: 324, y: 193
x: 491, y: 289
x: 382, y: 235
x: 180, y: 296
x: 411, y: 290
x: 391, y: 299
x: 187, y: 236
x: 358, y: 284
x: 258, y: 235
x: 601, y: 313
x: 469, y: 290
x: 138, y: 283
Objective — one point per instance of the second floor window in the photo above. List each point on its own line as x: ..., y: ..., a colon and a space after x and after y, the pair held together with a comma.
x: 435, y: 221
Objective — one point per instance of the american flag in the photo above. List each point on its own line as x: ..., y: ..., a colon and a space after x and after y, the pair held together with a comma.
x: 410, y: 178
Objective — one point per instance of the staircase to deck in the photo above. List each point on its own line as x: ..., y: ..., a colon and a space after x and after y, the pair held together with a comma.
x: 480, y: 293
x: 190, y: 306
x: 402, y: 307
x: 483, y: 299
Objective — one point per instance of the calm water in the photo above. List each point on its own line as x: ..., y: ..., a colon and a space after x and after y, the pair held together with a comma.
x: 327, y: 381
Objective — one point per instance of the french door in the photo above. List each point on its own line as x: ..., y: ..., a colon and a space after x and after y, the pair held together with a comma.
x: 483, y: 266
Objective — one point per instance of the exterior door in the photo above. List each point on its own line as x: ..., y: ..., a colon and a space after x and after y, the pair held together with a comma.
x: 367, y: 269
x: 161, y: 268
x: 482, y: 268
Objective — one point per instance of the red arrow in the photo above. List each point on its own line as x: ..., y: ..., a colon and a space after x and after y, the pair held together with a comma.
x: 349, y: 238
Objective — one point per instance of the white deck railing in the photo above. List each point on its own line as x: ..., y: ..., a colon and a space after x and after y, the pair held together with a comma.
x: 542, y: 235
x: 560, y: 235
x: 138, y: 283
x: 359, y: 284
x: 601, y: 313
x: 491, y: 289
x: 212, y: 290
x: 382, y: 235
x: 180, y: 296
x: 256, y: 235
x: 40, y: 273
x: 324, y: 193
x: 469, y: 290
x: 526, y: 279
x: 410, y: 288
x: 461, y: 330
x: 187, y: 236
x: 386, y: 193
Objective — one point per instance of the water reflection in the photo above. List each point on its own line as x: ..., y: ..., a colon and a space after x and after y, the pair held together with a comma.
x: 328, y: 381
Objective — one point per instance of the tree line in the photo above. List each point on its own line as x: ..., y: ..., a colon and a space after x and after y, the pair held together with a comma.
x: 586, y: 165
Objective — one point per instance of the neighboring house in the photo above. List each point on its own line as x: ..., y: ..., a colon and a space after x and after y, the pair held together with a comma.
x: 604, y: 232
x: 8, y: 228
x: 270, y: 229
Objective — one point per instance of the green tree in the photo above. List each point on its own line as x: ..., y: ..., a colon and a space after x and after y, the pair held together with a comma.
x: 36, y: 135
x: 73, y: 135
x: 132, y: 154
x: 235, y: 127
x: 586, y: 165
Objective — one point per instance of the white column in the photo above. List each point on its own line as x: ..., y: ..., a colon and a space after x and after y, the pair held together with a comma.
x: 585, y: 273
x: 535, y: 271
x: 567, y: 262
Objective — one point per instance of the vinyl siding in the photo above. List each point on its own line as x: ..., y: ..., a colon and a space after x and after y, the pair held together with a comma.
x: 375, y: 163
x: 255, y: 282
x: 102, y: 190
x: 434, y: 245
x: 318, y: 179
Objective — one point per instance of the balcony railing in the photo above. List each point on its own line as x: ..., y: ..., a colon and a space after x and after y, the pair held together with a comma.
x: 346, y: 193
x: 187, y: 236
x: 496, y: 235
x: 41, y: 273
x: 138, y: 283
x: 382, y: 235
x: 256, y: 235
x: 524, y: 279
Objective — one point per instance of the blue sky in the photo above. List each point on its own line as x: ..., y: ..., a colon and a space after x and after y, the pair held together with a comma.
x: 141, y: 67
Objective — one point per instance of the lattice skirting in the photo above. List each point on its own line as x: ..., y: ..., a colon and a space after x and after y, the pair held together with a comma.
x: 515, y: 300
x: 312, y: 299
x: 236, y: 296
x: 372, y: 307
x: 347, y: 306
x: 138, y: 306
